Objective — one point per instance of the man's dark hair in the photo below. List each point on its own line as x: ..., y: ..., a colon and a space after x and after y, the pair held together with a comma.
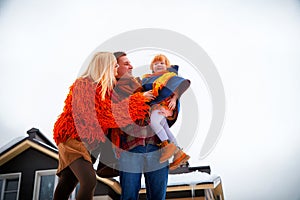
x: 119, y: 54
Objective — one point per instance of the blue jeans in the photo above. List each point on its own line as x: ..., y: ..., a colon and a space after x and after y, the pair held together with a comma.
x: 143, y: 159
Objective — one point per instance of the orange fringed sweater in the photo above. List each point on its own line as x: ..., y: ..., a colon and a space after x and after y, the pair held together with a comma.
x: 86, y: 117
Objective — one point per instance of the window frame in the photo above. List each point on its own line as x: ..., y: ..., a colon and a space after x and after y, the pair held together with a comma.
x: 5, y: 177
x: 37, y: 183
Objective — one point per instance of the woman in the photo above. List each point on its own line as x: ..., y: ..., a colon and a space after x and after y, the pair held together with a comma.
x: 83, y: 124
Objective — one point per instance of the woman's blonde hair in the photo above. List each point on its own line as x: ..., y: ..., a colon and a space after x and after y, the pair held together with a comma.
x: 160, y: 57
x: 101, y: 71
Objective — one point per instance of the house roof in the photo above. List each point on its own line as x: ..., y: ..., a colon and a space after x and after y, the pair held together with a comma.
x: 35, y: 139
x: 35, y: 133
x: 11, y: 144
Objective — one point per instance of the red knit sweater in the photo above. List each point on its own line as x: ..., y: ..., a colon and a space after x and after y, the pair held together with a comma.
x: 86, y: 117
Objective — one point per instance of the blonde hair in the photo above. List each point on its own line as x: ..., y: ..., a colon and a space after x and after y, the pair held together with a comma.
x: 101, y: 71
x: 160, y: 57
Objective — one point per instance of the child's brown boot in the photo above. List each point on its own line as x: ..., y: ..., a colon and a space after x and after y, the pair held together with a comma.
x: 179, y: 158
x: 167, y: 151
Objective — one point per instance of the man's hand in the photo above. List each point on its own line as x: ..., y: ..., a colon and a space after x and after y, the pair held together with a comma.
x: 172, y: 103
x: 165, y: 112
x: 149, y: 95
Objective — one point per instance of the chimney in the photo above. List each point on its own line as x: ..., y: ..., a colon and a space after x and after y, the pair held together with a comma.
x: 33, y: 133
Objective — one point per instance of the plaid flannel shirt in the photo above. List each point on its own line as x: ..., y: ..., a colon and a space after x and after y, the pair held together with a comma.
x: 133, y: 135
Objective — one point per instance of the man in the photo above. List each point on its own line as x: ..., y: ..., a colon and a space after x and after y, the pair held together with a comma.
x: 140, y: 153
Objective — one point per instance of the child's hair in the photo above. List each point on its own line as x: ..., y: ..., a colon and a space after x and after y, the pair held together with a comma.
x: 160, y: 57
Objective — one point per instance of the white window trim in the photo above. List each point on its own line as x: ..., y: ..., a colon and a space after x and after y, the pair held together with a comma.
x: 10, y: 176
x: 37, y: 182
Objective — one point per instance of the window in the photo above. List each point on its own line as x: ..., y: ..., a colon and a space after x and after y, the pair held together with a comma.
x: 46, y: 187
x: 10, y: 186
x: 45, y: 184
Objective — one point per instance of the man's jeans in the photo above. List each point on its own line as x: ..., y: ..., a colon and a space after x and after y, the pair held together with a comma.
x: 143, y: 159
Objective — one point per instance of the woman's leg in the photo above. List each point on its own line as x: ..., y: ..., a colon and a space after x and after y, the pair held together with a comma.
x: 66, y: 184
x: 85, y: 173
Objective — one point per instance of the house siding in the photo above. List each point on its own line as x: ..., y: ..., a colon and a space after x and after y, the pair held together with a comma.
x: 27, y: 163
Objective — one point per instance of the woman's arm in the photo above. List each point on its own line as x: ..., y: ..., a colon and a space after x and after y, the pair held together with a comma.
x: 123, y: 113
x: 92, y: 114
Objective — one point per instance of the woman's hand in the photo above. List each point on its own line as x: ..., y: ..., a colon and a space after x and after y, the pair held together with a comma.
x: 149, y: 95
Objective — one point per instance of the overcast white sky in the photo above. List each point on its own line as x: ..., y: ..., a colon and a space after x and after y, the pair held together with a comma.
x: 254, y: 45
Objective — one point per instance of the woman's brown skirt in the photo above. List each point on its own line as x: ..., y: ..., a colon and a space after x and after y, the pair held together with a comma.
x: 70, y: 151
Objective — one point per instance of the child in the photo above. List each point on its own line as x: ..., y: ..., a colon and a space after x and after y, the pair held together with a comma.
x: 167, y: 87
